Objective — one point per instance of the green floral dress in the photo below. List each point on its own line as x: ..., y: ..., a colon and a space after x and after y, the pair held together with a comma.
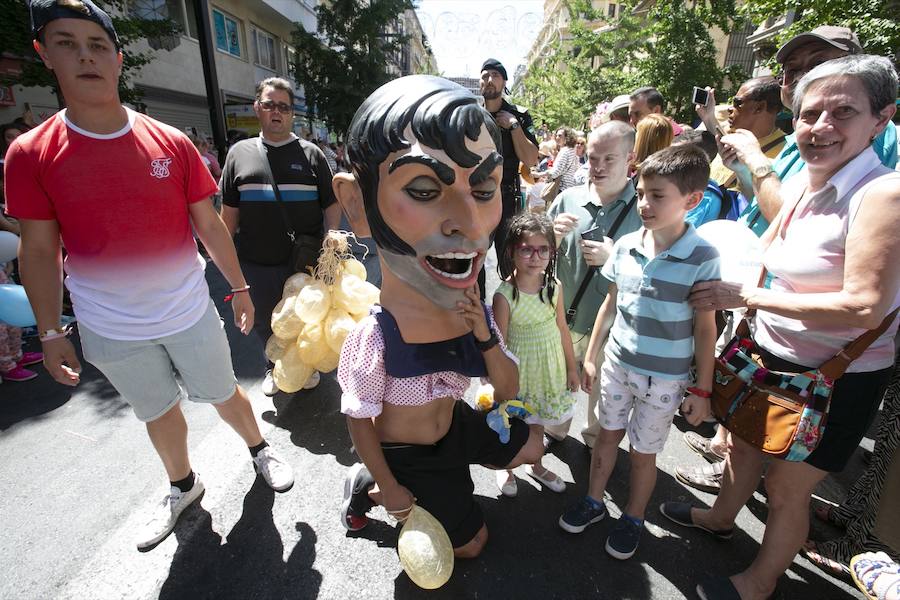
x: 534, y: 338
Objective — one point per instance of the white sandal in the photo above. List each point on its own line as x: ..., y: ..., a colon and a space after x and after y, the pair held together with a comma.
x: 506, y: 481
x: 548, y: 479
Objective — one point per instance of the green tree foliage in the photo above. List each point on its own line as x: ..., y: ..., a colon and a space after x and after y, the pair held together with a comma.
x: 348, y: 57
x: 876, y: 22
x: 680, y: 53
x: 667, y: 45
x: 15, y: 40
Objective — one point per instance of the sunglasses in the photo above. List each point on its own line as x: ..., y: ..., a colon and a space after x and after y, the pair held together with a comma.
x: 526, y: 251
x: 269, y: 106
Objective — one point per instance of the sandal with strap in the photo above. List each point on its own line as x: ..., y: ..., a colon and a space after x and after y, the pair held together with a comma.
x: 548, y: 479
x: 876, y: 575
x: 702, y: 446
x: 814, y: 554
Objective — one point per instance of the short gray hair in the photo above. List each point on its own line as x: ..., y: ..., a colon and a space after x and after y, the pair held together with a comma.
x: 876, y: 74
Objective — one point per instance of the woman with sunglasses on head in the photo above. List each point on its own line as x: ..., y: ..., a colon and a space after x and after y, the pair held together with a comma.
x: 529, y: 311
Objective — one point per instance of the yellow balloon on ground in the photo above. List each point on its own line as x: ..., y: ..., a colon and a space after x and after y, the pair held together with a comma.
x: 313, y: 302
x: 425, y: 550
x: 285, y: 322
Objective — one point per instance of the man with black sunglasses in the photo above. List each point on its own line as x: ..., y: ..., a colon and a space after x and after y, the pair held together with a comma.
x: 266, y: 216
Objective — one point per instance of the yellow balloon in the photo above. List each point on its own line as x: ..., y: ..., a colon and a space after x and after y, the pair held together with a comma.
x: 425, y: 550
x: 275, y: 347
x: 338, y: 324
x: 312, y: 352
x: 291, y: 373
x: 295, y: 283
x: 313, y: 302
x: 329, y: 362
x: 285, y: 323
x: 354, y: 267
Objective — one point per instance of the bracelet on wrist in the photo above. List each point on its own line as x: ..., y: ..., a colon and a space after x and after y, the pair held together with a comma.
x: 54, y: 334
x: 699, y: 393
x: 246, y: 288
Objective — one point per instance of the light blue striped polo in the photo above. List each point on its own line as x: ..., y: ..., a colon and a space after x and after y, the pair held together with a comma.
x: 653, y: 332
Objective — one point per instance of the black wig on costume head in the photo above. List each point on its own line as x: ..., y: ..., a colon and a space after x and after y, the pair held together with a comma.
x: 441, y: 113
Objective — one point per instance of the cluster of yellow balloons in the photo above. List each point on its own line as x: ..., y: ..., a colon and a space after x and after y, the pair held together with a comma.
x: 312, y: 319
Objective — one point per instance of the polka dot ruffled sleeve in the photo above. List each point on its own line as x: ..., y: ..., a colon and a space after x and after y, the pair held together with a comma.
x: 361, y: 373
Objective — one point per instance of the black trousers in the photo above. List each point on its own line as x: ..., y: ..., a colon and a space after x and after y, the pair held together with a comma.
x: 266, y: 286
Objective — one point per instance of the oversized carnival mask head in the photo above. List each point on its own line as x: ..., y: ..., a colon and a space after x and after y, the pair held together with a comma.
x: 425, y: 183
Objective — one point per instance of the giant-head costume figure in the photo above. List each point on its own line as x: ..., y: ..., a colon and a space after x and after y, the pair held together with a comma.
x: 426, y: 173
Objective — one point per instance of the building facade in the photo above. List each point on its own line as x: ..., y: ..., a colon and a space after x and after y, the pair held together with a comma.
x: 251, y: 41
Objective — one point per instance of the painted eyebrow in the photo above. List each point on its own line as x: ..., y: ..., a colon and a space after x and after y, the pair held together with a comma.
x: 444, y: 173
x: 484, y: 170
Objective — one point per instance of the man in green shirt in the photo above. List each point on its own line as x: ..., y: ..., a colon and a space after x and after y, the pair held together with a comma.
x: 587, y: 220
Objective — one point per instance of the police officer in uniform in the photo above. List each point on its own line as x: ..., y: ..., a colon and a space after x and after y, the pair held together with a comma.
x: 519, y: 144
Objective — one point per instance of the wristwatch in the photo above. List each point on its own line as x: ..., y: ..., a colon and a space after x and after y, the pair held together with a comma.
x: 762, y: 170
x: 488, y: 343
x: 514, y: 125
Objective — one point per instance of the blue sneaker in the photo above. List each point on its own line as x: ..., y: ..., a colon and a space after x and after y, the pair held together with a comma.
x: 577, y: 518
x: 624, y: 538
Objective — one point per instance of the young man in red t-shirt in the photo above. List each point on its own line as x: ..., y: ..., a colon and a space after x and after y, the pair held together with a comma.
x: 122, y: 191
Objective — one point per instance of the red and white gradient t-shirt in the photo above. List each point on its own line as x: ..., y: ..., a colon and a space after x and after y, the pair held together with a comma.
x: 121, y: 201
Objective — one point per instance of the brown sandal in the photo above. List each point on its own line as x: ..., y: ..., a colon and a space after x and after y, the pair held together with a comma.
x: 810, y: 551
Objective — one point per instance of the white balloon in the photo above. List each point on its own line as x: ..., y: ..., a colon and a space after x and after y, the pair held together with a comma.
x: 9, y: 246
x: 740, y: 251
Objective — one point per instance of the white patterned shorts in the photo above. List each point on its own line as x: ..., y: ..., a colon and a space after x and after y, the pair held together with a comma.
x: 642, y: 405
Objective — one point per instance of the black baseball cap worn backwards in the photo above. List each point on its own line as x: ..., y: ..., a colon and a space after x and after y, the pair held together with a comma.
x: 44, y: 11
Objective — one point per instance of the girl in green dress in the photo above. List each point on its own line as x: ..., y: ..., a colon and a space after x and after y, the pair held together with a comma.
x: 528, y: 309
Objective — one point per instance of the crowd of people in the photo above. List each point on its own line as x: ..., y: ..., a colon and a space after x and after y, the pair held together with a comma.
x: 607, y: 286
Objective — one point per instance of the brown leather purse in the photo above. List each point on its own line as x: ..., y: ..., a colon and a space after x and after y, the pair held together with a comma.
x: 782, y: 414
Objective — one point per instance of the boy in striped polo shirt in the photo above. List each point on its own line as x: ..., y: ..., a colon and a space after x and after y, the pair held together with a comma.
x: 653, y: 334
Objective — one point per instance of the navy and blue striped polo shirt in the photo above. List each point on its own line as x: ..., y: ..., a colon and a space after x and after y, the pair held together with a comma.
x: 653, y: 332
x: 304, y: 180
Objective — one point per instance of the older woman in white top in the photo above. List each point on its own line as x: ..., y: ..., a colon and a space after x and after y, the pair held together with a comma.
x: 833, y: 253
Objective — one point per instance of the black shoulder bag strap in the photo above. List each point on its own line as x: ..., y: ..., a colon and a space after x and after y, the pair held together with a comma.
x: 268, y: 168
x: 573, y: 308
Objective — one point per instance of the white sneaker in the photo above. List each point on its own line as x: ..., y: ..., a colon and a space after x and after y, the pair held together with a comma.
x: 268, y: 386
x: 165, y: 514
x: 274, y: 470
x: 312, y: 382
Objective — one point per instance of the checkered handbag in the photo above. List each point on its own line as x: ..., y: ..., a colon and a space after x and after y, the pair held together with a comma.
x: 782, y: 414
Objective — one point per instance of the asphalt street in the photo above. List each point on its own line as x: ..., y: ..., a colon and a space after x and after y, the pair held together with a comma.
x: 80, y: 473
